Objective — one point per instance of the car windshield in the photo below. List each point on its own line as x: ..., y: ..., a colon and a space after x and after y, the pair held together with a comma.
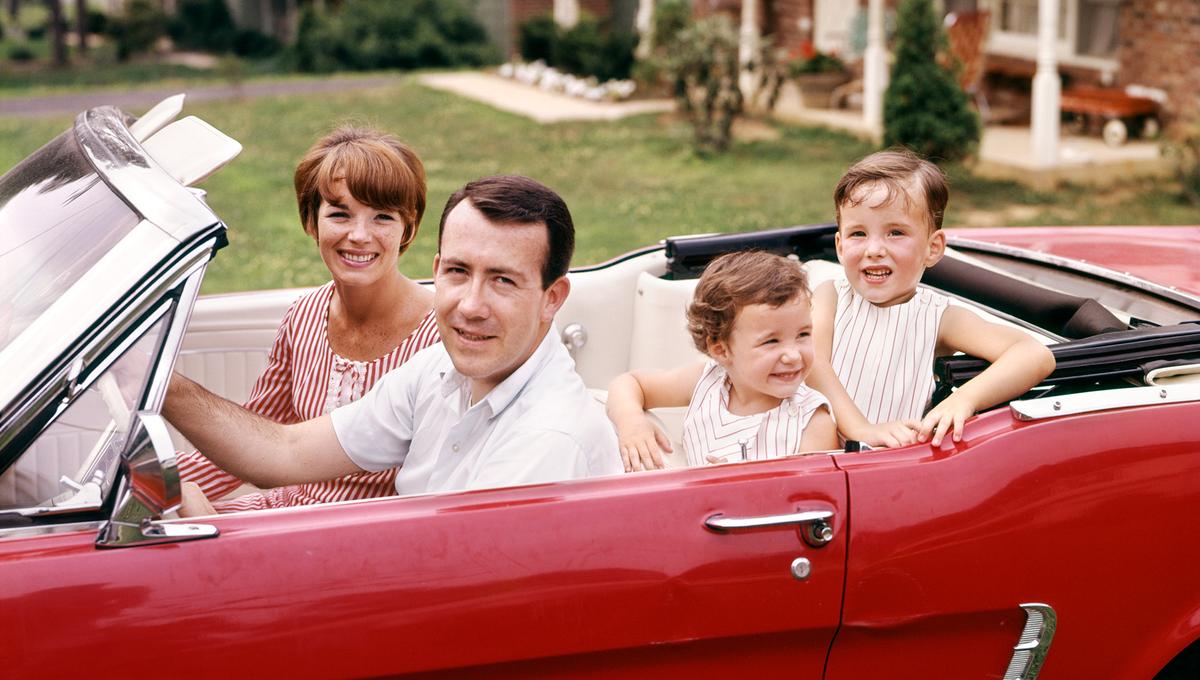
x: 57, y: 219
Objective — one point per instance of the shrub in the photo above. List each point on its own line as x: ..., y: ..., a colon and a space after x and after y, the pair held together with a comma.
x: 364, y: 35
x: 924, y: 107
x: 137, y: 29
x: 670, y: 17
x: 585, y: 49
x: 203, y: 25
x: 703, y: 61
x: 537, y: 38
x: 579, y: 48
x: 1183, y: 148
x: 20, y: 52
x: 97, y: 21
x: 253, y: 44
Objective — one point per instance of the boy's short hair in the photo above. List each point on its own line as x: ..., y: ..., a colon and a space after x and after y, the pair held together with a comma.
x: 896, y: 169
x: 379, y: 170
x: 734, y: 281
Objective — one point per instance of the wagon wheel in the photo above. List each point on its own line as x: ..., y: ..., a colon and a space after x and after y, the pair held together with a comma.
x: 1115, y: 132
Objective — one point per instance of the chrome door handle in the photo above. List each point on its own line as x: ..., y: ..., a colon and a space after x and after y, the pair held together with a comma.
x: 817, y: 529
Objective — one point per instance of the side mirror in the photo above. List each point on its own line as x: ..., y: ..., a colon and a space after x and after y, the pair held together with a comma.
x: 149, y: 489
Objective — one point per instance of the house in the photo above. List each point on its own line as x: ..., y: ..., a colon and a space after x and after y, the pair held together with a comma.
x: 1154, y: 44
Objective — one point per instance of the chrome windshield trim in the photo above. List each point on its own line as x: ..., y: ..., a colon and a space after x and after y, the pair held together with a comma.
x: 22, y: 412
x: 1079, y: 266
x: 136, y: 177
x: 90, y: 526
x: 1029, y: 654
x: 1103, y: 400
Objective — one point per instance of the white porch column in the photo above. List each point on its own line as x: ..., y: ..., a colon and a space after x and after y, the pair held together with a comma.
x: 643, y: 23
x: 747, y: 45
x: 566, y: 12
x: 1047, y: 88
x: 875, y: 69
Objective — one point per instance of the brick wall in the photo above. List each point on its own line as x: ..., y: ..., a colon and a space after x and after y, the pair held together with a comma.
x: 1160, y: 47
x: 598, y: 9
x: 784, y: 19
x: 779, y: 19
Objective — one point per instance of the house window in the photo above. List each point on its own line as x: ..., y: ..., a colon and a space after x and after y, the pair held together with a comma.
x: 1096, y: 35
x: 1087, y: 30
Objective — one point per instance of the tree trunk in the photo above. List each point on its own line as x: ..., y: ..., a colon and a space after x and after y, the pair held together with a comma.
x: 81, y: 24
x: 58, y: 35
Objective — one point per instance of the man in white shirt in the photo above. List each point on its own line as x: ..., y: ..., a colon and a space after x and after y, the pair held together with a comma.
x: 497, y: 404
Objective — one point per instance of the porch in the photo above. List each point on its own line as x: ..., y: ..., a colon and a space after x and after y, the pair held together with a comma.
x: 1006, y: 151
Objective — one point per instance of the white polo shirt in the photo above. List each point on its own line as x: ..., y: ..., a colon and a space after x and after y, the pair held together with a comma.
x: 538, y: 425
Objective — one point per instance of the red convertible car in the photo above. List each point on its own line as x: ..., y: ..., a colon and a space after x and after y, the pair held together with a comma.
x: 1058, y: 539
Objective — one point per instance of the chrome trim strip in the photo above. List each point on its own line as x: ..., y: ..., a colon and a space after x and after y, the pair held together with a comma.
x: 1029, y: 654
x: 170, y: 348
x: 722, y: 524
x: 136, y: 177
x: 1078, y: 266
x: 1103, y: 400
x: 49, y: 529
x: 139, y: 303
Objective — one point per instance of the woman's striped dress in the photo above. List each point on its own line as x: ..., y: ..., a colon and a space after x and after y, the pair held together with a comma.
x: 305, y: 379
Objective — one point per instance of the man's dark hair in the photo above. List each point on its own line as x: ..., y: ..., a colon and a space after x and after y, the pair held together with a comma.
x: 513, y: 199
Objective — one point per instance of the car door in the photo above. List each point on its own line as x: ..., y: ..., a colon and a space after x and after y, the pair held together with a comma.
x: 609, y: 577
x: 1061, y: 541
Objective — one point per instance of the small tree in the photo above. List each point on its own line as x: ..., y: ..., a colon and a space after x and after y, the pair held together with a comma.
x: 924, y: 108
x: 703, y: 62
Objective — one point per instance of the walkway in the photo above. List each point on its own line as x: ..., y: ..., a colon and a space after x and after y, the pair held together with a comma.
x: 527, y: 100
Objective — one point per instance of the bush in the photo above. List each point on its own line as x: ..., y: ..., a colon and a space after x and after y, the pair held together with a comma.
x: 537, y: 37
x: 254, y: 45
x: 579, y: 49
x: 203, y: 25
x: 136, y: 31
x: 1183, y: 148
x: 585, y: 49
x: 365, y: 35
x: 670, y: 17
x: 97, y: 22
x: 924, y: 107
x: 703, y: 61
x: 20, y: 52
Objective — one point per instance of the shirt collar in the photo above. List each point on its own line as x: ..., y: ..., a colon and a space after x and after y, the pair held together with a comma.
x: 503, y: 394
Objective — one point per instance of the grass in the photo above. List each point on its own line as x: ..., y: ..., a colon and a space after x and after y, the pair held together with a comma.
x: 629, y: 183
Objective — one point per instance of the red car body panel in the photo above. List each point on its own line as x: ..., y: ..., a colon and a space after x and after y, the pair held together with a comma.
x: 945, y: 544
x: 1165, y: 255
x: 601, y: 576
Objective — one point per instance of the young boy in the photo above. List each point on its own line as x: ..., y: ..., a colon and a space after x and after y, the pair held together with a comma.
x: 877, y: 333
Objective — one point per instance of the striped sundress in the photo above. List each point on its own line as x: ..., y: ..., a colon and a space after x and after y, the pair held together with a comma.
x: 884, y: 355
x: 305, y: 379
x: 709, y: 429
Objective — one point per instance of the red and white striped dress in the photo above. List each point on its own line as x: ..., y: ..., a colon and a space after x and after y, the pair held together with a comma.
x: 305, y: 379
x: 709, y: 429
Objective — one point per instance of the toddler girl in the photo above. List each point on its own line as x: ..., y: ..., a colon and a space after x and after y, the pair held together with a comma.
x: 751, y: 314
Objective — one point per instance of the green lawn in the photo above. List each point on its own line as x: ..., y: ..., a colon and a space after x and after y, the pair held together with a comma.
x: 628, y: 183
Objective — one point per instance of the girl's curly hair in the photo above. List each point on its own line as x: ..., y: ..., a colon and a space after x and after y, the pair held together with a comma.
x: 735, y: 280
